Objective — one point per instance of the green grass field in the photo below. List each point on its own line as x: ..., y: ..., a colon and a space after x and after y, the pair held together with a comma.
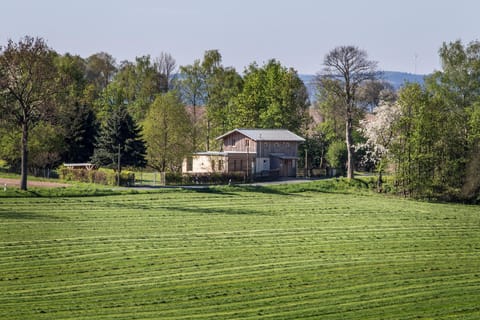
x: 234, y: 254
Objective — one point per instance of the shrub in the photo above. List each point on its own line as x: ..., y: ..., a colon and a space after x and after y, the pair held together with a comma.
x: 210, y: 178
x: 101, y: 176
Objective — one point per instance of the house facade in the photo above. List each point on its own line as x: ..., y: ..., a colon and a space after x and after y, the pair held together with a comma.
x: 251, y: 151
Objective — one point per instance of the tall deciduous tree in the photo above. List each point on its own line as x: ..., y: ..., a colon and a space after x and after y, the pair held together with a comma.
x: 165, y: 65
x: 27, y: 83
x: 100, y: 70
x: 192, y: 89
x: 221, y: 85
x: 371, y: 93
x: 208, y: 83
x: 439, y: 150
x: 138, y: 83
x: 165, y: 128
x: 346, y: 68
x: 379, y: 131
x: 272, y: 97
x: 120, y: 142
x: 75, y: 109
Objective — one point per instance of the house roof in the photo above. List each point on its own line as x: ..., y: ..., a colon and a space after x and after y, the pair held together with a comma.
x: 266, y: 135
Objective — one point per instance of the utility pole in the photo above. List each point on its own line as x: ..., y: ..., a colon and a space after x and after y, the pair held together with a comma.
x: 248, y: 157
x: 118, y: 166
x: 306, y: 163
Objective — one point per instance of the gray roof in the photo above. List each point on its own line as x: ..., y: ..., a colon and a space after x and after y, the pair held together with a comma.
x: 266, y: 135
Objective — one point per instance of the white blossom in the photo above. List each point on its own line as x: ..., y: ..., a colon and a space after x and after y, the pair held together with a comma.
x: 378, y: 130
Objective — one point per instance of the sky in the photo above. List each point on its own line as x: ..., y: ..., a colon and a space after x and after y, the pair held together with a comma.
x: 401, y: 35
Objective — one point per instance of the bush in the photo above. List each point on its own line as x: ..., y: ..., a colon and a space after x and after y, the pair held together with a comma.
x: 337, y: 154
x: 174, y: 178
x: 101, y: 176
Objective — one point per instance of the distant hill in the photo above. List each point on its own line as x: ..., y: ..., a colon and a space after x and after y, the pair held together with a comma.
x: 396, y: 78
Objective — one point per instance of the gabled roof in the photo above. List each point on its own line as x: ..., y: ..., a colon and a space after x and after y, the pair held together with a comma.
x: 266, y: 135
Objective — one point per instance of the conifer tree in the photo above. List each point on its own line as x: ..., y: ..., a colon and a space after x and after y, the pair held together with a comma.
x: 120, y: 139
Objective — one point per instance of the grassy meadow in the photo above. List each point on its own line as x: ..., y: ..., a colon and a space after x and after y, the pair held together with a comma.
x: 286, y: 252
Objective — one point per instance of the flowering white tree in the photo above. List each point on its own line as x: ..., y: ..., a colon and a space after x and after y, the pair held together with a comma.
x: 378, y: 129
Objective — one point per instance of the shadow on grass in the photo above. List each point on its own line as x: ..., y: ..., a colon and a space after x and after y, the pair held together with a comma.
x: 15, y: 215
x: 226, y: 211
x: 233, y: 190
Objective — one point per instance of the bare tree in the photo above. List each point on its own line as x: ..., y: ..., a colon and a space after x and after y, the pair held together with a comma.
x: 165, y: 65
x: 345, y: 69
x: 27, y: 84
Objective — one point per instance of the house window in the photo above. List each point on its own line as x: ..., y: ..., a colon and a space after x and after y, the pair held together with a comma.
x: 213, y: 165
x: 220, y: 165
x: 189, y: 163
x: 233, y: 141
x: 234, y: 165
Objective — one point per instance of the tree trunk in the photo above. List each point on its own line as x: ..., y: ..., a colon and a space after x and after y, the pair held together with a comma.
x: 380, y: 181
x: 165, y: 142
x: 349, y: 141
x: 194, y: 137
x: 208, y: 134
x: 24, y: 166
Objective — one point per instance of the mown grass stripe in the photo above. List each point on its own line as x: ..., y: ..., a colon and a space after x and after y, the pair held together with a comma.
x: 241, y: 255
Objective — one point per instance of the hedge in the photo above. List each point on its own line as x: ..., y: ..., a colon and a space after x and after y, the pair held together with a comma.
x: 100, y: 176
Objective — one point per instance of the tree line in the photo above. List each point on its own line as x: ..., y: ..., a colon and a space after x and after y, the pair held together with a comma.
x: 150, y: 112
x: 427, y: 136
x: 64, y: 108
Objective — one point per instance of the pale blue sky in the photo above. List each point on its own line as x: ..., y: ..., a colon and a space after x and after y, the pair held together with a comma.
x: 402, y: 35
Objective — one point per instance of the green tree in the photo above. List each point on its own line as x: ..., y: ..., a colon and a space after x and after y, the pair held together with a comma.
x: 337, y: 154
x: 272, y: 97
x: 221, y: 85
x: 76, y: 117
x: 28, y: 84
x: 471, y: 185
x: 191, y: 85
x: 10, y: 144
x: 209, y: 84
x: 80, y: 131
x: 100, y: 69
x: 45, y: 146
x: 346, y: 68
x: 455, y: 91
x: 137, y: 83
x: 330, y: 108
x: 438, y: 154
x: 372, y: 92
x: 165, y: 128
x: 224, y: 86
x: 314, y: 148
x: 415, y: 147
x: 119, y: 143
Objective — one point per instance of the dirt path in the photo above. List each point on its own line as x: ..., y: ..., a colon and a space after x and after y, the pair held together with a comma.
x: 43, y: 184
